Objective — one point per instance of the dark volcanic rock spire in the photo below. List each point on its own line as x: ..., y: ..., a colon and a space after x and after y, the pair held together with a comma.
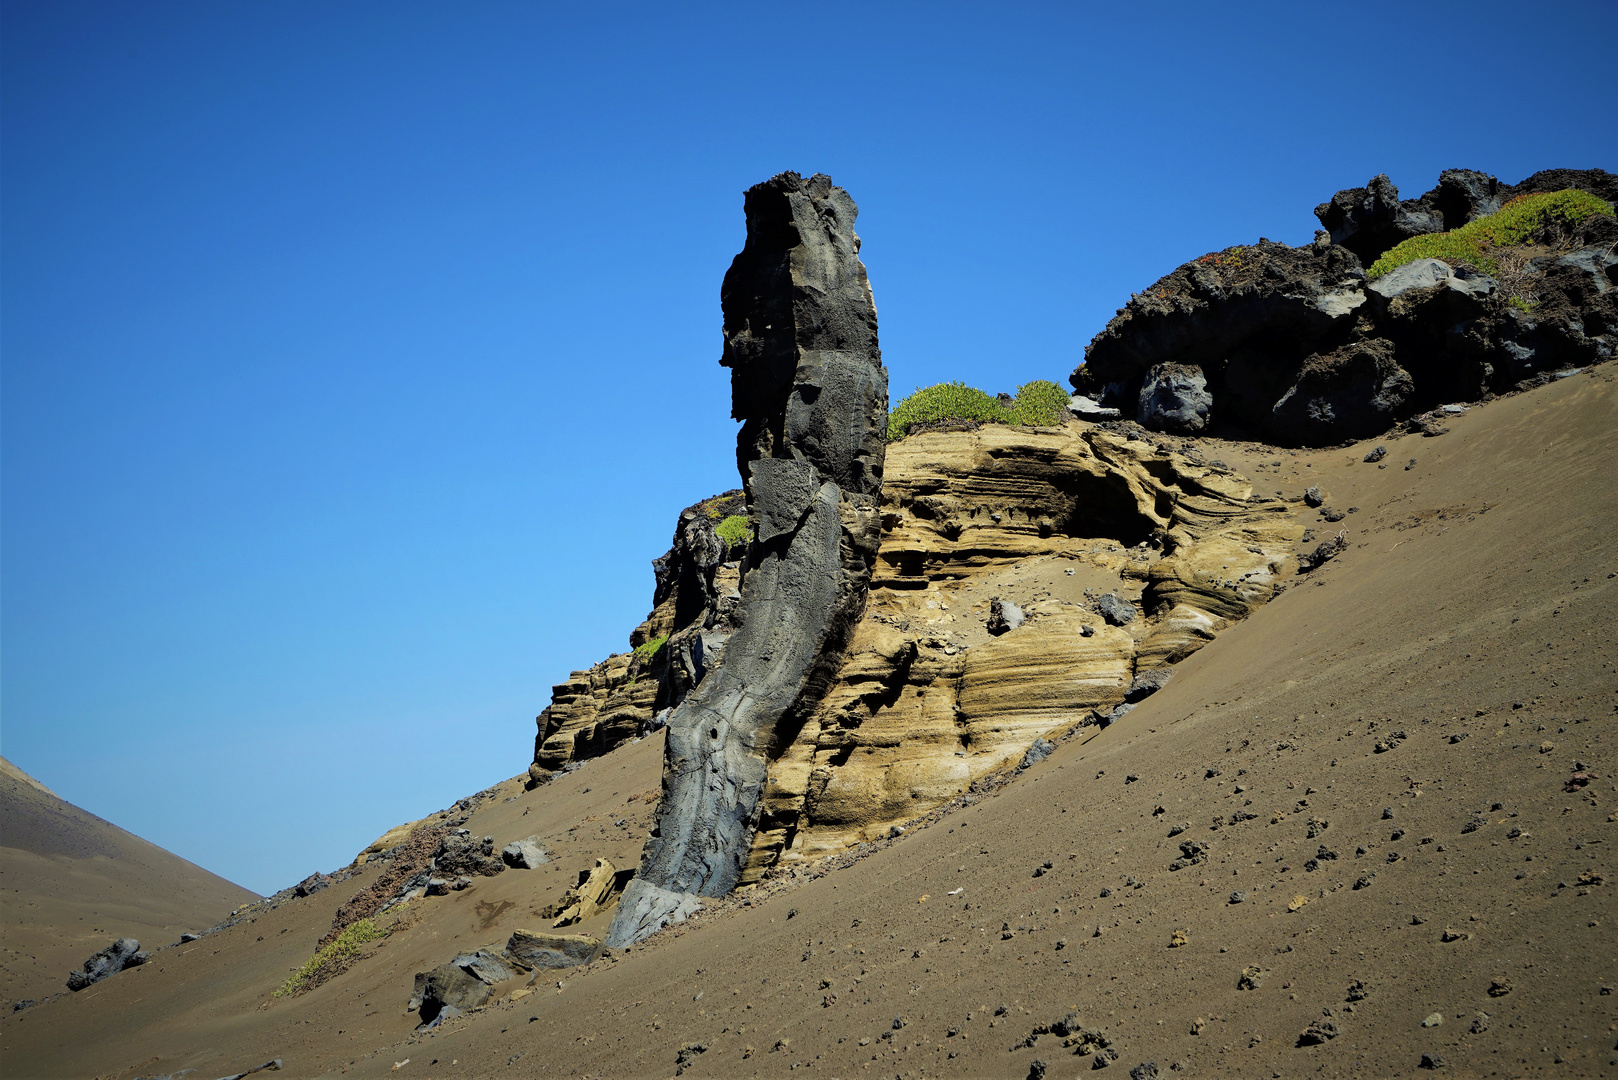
x: 807, y: 382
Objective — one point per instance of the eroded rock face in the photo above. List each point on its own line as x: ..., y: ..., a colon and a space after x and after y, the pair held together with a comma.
x: 1372, y: 219
x: 694, y: 597
x: 931, y: 697
x: 807, y: 382
x: 1292, y: 345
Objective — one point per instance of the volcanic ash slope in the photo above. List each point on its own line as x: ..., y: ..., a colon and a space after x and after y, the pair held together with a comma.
x: 1369, y: 782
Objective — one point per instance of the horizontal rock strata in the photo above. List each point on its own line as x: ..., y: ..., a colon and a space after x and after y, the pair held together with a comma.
x: 930, y: 700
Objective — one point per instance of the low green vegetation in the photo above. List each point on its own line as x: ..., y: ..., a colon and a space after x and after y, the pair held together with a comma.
x: 645, y: 651
x: 333, y: 957
x: 1038, y: 403
x: 735, y: 529
x: 1475, y: 243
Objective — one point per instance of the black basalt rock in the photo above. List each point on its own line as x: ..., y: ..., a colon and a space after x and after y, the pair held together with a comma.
x: 1296, y: 346
x: 808, y: 385
x: 121, y: 954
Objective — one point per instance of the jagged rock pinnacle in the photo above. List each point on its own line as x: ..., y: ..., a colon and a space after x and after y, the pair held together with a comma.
x: 808, y: 384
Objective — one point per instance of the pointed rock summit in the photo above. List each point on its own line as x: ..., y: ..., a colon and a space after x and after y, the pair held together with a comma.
x: 808, y: 384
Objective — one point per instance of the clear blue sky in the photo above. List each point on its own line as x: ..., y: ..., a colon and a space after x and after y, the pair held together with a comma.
x: 358, y: 357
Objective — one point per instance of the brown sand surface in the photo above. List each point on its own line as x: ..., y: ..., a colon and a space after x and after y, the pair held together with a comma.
x: 71, y: 883
x: 1467, y: 630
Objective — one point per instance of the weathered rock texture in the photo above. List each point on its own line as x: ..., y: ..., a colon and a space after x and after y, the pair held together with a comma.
x: 807, y: 382
x: 121, y: 954
x: 929, y: 699
x: 621, y: 697
x: 1291, y: 345
x: 1061, y: 526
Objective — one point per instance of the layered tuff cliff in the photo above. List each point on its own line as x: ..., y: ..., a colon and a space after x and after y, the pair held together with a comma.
x: 1119, y: 553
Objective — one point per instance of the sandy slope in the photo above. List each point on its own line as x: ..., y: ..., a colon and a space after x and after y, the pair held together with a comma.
x: 71, y: 882
x: 1477, y: 600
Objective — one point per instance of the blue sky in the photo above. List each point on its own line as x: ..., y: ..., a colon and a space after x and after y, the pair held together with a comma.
x: 357, y: 357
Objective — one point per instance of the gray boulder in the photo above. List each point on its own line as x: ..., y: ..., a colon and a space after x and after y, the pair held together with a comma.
x: 542, y: 951
x: 1147, y: 683
x: 311, y: 884
x: 447, y: 986
x: 524, y: 854
x: 462, y: 853
x: 1175, y: 399
x: 485, y: 964
x: 1426, y: 273
x: 1039, y: 751
x: 1116, y: 610
x: 121, y: 954
x: 463, y: 984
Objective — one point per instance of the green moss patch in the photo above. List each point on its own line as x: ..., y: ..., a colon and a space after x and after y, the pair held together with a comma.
x: 333, y: 958
x: 1039, y: 403
x: 735, y: 529
x: 646, y: 651
x: 1475, y: 244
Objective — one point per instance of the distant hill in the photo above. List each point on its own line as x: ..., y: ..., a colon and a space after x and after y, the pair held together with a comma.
x: 71, y: 882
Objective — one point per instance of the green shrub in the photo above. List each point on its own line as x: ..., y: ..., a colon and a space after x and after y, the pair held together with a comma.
x: 345, y: 947
x: 1038, y: 403
x: 735, y: 529
x: 645, y: 651
x: 1514, y: 223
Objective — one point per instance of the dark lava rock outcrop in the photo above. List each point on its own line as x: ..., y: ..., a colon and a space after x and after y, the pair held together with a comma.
x: 1297, y: 346
x: 121, y: 954
x: 808, y: 384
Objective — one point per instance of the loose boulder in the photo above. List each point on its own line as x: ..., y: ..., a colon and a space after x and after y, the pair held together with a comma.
x: 121, y: 954
x: 598, y: 889
x: 447, y: 986
x: 462, y: 853
x: 524, y: 854
x: 1116, y: 610
x: 541, y: 951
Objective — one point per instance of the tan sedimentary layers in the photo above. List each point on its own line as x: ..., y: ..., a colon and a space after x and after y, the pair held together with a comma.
x: 927, y: 701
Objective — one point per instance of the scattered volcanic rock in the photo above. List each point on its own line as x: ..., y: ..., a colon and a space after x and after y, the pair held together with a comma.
x: 807, y: 382
x: 121, y: 954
